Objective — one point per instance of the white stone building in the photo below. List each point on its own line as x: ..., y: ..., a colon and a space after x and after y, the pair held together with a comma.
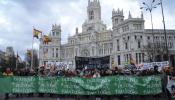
x: 127, y: 37
x: 9, y: 52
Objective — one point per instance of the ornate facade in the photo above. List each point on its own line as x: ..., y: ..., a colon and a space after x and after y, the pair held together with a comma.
x: 126, y: 39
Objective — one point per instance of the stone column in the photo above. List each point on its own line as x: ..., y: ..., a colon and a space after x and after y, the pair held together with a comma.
x: 122, y: 59
x: 141, y: 57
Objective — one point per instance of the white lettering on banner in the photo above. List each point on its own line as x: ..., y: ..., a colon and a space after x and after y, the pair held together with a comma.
x: 23, y: 84
x: 47, y: 84
x: 107, y: 85
x: 151, y: 65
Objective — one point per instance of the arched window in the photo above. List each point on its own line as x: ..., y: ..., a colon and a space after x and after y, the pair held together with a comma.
x: 118, y: 45
x: 126, y: 45
x: 85, y: 53
x: 56, y: 52
x: 91, y: 15
x: 116, y: 20
x: 52, y: 52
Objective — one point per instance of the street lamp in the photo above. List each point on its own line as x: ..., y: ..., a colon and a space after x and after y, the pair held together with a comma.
x: 150, y: 8
x: 166, y: 46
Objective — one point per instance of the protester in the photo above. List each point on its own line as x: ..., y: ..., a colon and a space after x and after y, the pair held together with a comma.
x: 17, y: 73
x: 96, y: 74
x: 1, y: 73
x: 60, y: 73
x: 7, y: 73
x: 41, y: 73
x: 92, y: 73
x: 170, y: 72
x: 156, y: 70
x: 164, y: 81
x: 31, y: 73
x: 52, y: 71
x: 22, y: 72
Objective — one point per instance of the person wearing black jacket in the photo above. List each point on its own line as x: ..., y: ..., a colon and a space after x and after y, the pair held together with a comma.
x: 17, y: 73
x: 31, y: 73
x: 41, y: 73
x: 156, y: 72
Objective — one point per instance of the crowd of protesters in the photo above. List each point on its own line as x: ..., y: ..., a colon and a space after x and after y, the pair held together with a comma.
x: 90, y: 73
x: 86, y: 73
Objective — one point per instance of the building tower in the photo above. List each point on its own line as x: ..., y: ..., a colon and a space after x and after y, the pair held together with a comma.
x: 94, y: 10
x: 93, y: 22
x: 56, y: 42
x: 56, y: 35
x: 117, y: 17
x: 50, y: 53
x: 10, y: 52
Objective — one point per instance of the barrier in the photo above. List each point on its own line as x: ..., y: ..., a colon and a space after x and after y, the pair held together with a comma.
x: 112, y: 85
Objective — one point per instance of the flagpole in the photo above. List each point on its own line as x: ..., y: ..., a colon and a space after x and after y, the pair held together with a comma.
x: 32, y: 52
x: 40, y: 46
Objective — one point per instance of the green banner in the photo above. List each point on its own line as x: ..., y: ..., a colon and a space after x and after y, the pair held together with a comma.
x: 112, y: 85
x: 24, y: 84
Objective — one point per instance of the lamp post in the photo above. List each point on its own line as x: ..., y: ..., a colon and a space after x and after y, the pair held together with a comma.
x: 150, y: 8
x: 165, y: 34
x: 166, y: 46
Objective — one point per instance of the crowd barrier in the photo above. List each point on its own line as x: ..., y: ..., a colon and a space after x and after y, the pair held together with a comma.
x: 112, y: 85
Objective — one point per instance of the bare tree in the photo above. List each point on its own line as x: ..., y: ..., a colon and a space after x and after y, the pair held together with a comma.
x: 155, y: 49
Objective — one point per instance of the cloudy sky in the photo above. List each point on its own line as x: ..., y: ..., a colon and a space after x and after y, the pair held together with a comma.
x: 18, y: 17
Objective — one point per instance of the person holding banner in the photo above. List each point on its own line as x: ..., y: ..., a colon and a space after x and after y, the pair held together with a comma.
x: 17, y: 72
x: 96, y: 74
x: 31, y: 73
x: 42, y: 74
x: 7, y: 73
x: 170, y: 88
x: 156, y: 70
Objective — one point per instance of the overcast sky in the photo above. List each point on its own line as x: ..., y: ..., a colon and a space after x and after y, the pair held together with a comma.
x: 17, y: 18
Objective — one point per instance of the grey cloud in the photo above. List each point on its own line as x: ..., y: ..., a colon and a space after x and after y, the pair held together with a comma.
x: 22, y: 15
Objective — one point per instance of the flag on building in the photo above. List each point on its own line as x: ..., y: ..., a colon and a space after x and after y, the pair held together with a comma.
x: 46, y: 39
x: 36, y: 33
x: 29, y: 53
